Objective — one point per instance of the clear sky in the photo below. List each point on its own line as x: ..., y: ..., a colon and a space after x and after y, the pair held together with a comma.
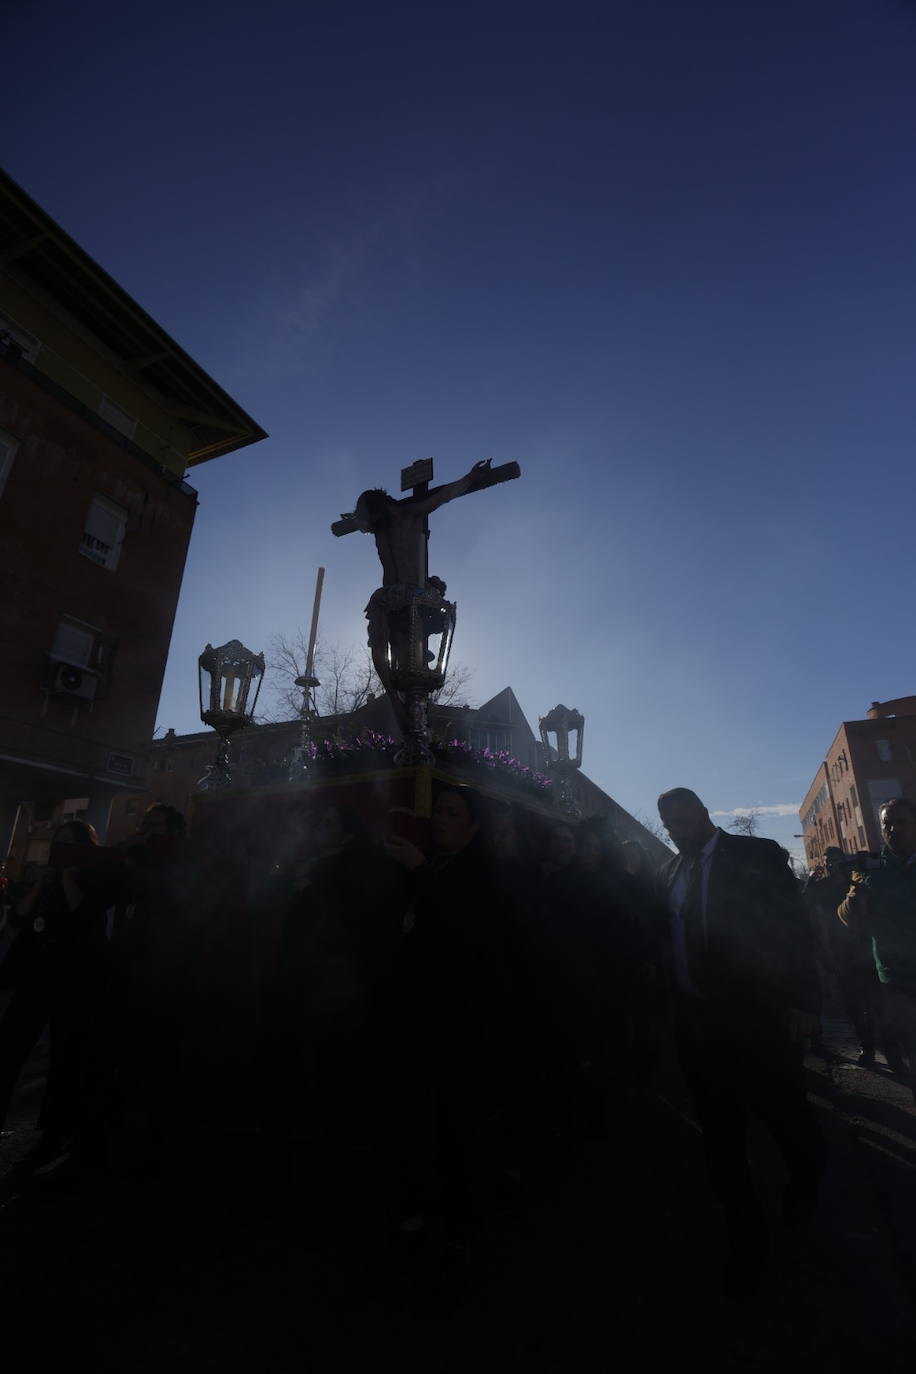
x: 660, y: 252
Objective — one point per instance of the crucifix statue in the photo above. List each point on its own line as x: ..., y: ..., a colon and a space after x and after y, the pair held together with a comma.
x: 410, y: 606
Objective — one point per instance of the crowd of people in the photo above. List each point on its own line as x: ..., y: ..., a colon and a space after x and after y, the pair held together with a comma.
x: 451, y: 1008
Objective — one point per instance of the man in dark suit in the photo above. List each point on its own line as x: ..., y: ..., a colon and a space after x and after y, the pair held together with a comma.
x: 740, y: 956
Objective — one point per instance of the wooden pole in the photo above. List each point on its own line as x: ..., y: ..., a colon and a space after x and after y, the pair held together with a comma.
x: 313, y: 633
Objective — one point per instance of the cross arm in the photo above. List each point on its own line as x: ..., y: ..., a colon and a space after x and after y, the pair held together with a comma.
x: 486, y: 477
x: 478, y: 478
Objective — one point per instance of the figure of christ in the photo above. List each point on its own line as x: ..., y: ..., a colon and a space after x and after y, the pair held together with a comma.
x: 399, y: 529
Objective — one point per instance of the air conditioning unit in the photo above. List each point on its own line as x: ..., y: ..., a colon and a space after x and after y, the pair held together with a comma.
x: 71, y: 681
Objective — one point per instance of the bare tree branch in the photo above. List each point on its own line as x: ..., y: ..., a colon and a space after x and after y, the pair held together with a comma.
x: 745, y: 822
x: 348, y: 679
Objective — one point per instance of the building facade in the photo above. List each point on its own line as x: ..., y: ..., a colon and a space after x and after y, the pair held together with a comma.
x: 869, y: 761
x: 101, y: 414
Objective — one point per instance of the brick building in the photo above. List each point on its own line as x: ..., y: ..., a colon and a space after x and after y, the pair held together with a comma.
x: 868, y: 762
x: 101, y: 414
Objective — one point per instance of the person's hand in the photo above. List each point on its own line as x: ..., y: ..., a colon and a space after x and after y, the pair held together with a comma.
x: 404, y: 853
x: 856, y: 900
x: 801, y: 1025
x: 853, y: 909
x: 479, y: 469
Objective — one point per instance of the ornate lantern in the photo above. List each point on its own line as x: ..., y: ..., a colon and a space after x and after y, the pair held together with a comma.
x: 562, y: 722
x: 415, y: 631
x: 419, y: 627
x: 227, y: 675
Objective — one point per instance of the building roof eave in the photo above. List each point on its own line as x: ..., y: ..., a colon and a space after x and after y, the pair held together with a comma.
x: 39, y: 250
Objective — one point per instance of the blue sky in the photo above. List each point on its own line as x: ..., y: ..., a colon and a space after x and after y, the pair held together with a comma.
x: 660, y: 253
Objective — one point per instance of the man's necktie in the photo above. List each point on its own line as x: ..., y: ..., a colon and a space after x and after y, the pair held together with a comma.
x: 694, y: 931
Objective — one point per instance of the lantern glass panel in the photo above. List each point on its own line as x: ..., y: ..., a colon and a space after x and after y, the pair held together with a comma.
x: 206, y: 689
x: 434, y: 645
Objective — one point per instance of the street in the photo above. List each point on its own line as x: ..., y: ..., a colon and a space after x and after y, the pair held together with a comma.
x: 617, y: 1262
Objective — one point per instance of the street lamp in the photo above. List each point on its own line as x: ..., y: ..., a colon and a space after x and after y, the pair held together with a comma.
x: 226, y: 676
x: 562, y: 722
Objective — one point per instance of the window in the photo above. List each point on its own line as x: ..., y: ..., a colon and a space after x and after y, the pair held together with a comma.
x: 75, y: 806
x: 8, y: 447
x: 131, y: 808
x: 104, y: 533
x: 116, y: 417
x: 883, y: 747
x: 854, y: 796
x: 21, y: 339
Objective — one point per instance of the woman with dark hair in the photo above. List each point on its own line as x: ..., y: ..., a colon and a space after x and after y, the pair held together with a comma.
x: 56, y: 968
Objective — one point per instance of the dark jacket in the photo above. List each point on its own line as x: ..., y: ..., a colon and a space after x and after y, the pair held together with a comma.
x: 761, y: 950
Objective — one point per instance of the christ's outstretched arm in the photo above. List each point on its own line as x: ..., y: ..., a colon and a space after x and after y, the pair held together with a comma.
x: 425, y: 505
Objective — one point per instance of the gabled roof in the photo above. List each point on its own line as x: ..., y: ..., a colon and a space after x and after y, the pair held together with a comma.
x: 503, y: 707
x: 38, y: 248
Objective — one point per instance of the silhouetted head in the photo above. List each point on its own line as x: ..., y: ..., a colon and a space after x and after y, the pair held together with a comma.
x: 456, y: 819
x: 335, y: 828
x: 898, y: 826
x: 372, y: 508
x: 75, y: 832
x: 561, y: 844
x: 686, y: 819
x: 833, y: 857
x: 502, y: 835
x: 591, y: 848
x: 635, y: 859
x: 162, y: 819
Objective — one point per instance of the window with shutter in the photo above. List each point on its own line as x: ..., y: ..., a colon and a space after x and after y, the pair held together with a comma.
x: 105, y: 525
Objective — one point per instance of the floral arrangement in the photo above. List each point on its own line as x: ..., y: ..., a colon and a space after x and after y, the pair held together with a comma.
x: 498, y: 759
x: 338, y: 750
